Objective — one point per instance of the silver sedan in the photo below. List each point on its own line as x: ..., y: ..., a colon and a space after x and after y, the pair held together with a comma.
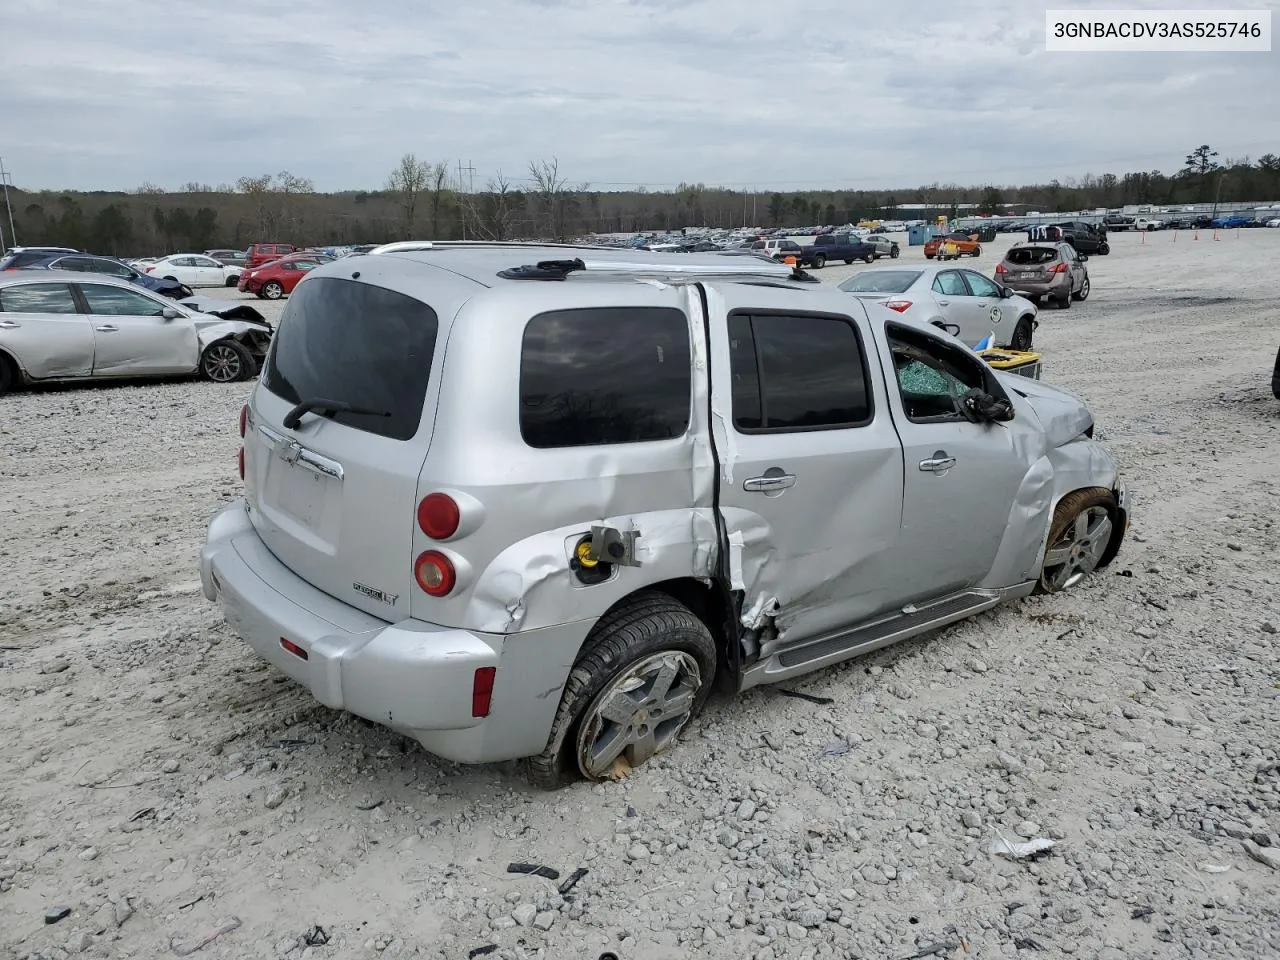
x: 885, y: 246
x: 964, y: 302
x: 58, y: 325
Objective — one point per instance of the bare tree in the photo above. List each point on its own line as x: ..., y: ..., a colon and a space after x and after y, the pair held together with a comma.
x: 491, y: 214
x: 549, y: 188
x: 273, y: 197
x: 438, y: 186
x: 407, y: 181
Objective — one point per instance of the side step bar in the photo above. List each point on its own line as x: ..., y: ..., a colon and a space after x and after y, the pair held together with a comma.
x: 911, y: 621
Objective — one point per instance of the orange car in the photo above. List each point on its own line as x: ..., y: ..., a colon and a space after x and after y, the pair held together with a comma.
x: 965, y: 244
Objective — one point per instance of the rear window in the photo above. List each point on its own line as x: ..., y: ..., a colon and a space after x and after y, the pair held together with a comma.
x: 1031, y: 256
x: 358, y: 344
x: 880, y: 281
x: 605, y: 376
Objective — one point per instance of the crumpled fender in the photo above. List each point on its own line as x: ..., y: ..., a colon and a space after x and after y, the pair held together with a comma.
x: 213, y: 332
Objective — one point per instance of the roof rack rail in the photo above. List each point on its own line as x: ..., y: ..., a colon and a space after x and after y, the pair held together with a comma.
x: 401, y: 246
x: 735, y: 269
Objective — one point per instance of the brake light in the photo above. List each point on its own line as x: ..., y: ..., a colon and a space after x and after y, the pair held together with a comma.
x: 898, y: 306
x: 1059, y: 268
x: 149, y: 269
x: 1000, y: 268
x: 244, y: 420
x: 240, y: 458
x: 434, y: 573
x: 293, y: 648
x: 482, y: 691
x: 438, y: 516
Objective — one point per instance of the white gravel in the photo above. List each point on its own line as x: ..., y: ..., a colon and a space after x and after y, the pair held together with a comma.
x: 162, y: 784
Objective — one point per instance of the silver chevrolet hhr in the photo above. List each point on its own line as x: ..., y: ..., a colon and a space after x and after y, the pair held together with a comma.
x: 534, y: 501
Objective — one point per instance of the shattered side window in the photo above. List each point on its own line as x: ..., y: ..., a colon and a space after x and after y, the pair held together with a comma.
x: 931, y: 375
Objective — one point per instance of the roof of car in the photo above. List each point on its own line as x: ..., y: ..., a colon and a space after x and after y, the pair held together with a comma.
x: 482, y: 263
x: 12, y: 278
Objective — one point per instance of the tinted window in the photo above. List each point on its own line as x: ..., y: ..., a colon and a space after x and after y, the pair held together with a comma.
x: 116, y: 302
x: 607, y: 375
x: 797, y: 372
x: 1030, y: 256
x: 364, y: 345
x: 37, y: 298
x: 110, y: 268
x: 79, y: 264
x: 880, y: 281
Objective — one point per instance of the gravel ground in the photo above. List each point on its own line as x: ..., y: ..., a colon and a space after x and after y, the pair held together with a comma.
x: 161, y: 784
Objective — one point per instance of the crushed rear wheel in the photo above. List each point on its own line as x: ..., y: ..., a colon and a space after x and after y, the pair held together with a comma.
x: 644, y: 671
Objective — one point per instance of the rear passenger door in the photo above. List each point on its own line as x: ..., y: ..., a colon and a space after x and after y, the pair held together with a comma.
x: 811, y: 477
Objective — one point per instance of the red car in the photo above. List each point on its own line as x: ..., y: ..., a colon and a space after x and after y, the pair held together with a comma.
x: 271, y: 281
x: 260, y: 253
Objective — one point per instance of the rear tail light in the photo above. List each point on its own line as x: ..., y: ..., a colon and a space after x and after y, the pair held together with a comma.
x: 434, y: 573
x: 1059, y: 268
x: 898, y: 306
x: 149, y: 269
x: 438, y: 516
x: 482, y: 691
x: 1000, y: 268
x: 293, y: 648
x: 244, y: 420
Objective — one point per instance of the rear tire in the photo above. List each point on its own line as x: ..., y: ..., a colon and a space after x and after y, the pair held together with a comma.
x: 272, y: 290
x: 1065, y: 302
x: 650, y: 625
x: 1104, y: 249
x: 226, y: 361
x: 977, y: 251
x: 9, y: 378
x: 819, y: 262
x: 869, y: 258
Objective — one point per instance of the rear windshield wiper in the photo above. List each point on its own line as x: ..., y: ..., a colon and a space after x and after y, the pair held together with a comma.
x: 320, y: 405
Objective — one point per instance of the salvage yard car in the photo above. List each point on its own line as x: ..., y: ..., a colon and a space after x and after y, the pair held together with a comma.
x: 1054, y: 270
x: 523, y: 509
x: 59, y: 325
x: 946, y: 296
x: 965, y: 244
x: 277, y: 279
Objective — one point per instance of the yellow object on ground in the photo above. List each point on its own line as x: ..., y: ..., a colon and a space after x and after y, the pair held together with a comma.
x: 1022, y: 362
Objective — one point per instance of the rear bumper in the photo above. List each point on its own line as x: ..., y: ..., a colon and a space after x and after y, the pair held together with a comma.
x: 416, y: 678
x: 1053, y: 288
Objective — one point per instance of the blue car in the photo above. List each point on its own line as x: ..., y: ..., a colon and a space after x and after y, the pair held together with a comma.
x: 87, y: 263
x: 1228, y: 223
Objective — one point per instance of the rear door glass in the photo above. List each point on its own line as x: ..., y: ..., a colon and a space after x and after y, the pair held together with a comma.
x: 357, y: 344
x: 37, y: 298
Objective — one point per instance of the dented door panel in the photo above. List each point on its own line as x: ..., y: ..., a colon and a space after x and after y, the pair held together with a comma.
x: 818, y: 553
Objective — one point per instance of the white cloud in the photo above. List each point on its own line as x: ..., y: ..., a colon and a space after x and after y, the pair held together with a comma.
x: 109, y: 93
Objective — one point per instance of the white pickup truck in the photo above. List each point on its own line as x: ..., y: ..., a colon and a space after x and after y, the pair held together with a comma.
x: 1146, y: 223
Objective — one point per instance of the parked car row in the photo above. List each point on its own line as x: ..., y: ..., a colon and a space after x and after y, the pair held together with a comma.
x: 40, y: 259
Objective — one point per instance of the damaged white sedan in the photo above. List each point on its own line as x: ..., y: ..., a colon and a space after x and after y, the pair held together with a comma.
x: 515, y: 506
x: 58, y: 325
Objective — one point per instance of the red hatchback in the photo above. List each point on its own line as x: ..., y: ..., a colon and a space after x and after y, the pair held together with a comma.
x: 271, y: 281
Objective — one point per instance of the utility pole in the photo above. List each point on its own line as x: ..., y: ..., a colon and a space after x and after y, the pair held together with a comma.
x: 1217, y: 194
x: 5, y: 179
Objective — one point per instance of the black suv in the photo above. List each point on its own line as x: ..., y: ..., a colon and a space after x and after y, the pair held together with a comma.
x: 1084, y: 237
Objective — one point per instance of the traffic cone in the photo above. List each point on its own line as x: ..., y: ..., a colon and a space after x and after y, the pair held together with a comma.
x: 1197, y: 235
x: 1215, y: 235
x: 1175, y: 237
x: 1144, y: 238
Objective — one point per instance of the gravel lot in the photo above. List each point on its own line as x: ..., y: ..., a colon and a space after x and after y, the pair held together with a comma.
x: 162, y: 784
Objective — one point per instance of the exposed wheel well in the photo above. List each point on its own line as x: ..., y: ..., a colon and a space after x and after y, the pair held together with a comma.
x: 14, y: 369
x: 703, y: 599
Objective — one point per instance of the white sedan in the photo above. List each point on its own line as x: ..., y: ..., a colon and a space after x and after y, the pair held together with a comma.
x: 966, y: 303
x: 195, y: 270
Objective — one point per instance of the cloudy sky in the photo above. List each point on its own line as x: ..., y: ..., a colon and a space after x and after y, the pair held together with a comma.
x: 107, y: 94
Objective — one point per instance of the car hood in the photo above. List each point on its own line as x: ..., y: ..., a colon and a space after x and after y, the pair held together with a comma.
x: 212, y: 310
x: 1063, y: 415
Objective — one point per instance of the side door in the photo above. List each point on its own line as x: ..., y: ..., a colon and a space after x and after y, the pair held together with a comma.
x: 961, y: 478
x: 133, y: 337
x: 811, y: 478
x: 988, y: 305
x: 957, y: 306
x: 212, y: 273
x: 41, y: 327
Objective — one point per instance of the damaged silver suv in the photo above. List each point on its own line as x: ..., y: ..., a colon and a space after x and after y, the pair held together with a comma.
x: 530, y: 501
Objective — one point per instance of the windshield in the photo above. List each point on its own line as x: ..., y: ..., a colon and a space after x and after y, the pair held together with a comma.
x: 880, y: 281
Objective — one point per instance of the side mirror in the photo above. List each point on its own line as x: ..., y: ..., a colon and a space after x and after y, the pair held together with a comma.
x: 169, y: 313
x: 1007, y: 292
x: 1083, y: 257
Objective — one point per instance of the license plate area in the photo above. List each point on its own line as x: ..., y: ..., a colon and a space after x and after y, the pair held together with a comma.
x: 301, y: 492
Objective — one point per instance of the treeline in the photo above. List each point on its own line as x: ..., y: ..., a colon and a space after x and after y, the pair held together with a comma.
x: 421, y: 201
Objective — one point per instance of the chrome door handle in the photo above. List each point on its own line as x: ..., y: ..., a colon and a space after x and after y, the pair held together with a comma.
x: 10, y: 324
x: 944, y: 303
x: 938, y: 463
x: 766, y: 484
x: 107, y: 328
